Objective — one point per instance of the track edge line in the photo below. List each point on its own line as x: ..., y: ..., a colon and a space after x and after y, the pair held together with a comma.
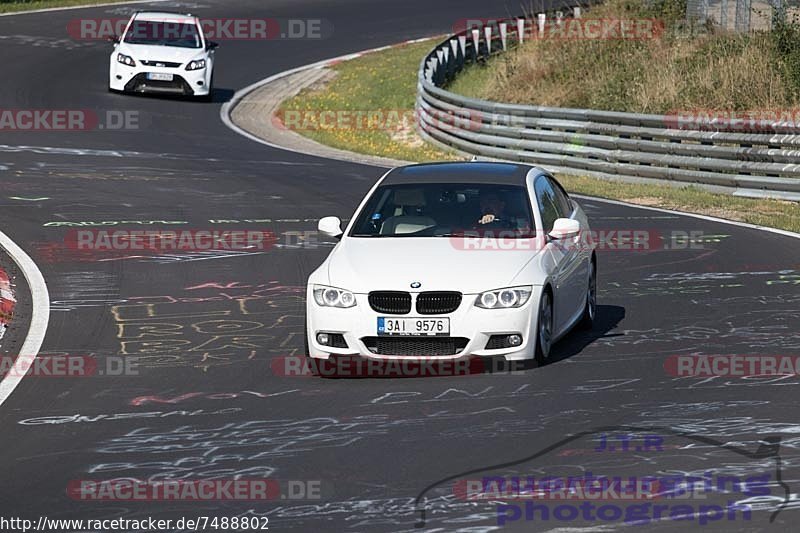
x: 783, y: 232
x: 40, y: 316
x: 227, y: 108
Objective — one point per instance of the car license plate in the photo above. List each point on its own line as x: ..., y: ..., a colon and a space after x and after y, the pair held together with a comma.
x: 413, y: 326
x: 159, y: 76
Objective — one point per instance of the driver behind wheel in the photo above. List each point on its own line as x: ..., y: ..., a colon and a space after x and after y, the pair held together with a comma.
x: 492, y: 209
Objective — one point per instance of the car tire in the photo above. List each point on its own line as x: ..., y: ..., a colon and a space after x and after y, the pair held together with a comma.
x: 590, y: 309
x: 544, y: 328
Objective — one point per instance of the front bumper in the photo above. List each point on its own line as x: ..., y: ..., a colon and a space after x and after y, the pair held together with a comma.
x: 470, y: 330
x: 134, y: 79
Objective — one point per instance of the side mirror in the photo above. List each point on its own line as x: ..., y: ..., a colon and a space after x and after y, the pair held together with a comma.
x: 210, y: 45
x: 565, y: 228
x: 113, y: 39
x: 330, y: 226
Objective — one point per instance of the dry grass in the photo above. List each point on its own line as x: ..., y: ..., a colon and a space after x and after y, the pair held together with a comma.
x: 381, y: 82
x: 684, y: 69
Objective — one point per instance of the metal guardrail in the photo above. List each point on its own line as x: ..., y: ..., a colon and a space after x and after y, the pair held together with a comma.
x: 762, y: 161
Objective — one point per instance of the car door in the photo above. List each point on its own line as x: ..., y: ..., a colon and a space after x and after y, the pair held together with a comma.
x: 575, y: 263
x: 556, y: 252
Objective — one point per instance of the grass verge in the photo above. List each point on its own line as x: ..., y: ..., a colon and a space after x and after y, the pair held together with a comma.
x: 686, y: 67
x: 386, y: 80
x: 374, y: 97
x: 17, y: 6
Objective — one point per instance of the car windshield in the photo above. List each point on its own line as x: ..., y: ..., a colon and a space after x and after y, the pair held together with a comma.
x: 163, y: 33
x: 446, y: 210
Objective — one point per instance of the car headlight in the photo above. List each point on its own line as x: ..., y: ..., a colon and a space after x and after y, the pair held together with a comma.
x: 504, y: 298
x: 126, y: 60
x: 333, y: 297
x: 197, y: 64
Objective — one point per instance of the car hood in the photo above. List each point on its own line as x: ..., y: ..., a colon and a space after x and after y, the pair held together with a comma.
x: 362, y: 265
x: 149, y: 52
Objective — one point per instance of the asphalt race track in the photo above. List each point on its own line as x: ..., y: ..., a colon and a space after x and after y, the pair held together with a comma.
x: 211, y: 404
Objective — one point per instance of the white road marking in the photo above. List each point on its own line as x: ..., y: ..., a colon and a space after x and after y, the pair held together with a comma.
x: 783, y: 232
x: 40, y: 316
x: 227, y: 107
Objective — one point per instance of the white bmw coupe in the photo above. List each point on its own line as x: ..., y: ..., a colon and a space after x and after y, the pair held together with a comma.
x: 162, y: 52
x: 447, y: 260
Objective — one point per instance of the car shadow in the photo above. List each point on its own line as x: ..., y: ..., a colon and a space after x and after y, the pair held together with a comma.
x: 574, y: 342
x: 608, y: 318
x: 218, y: 96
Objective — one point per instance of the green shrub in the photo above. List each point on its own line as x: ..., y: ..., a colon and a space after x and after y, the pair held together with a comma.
x: 786, y: 42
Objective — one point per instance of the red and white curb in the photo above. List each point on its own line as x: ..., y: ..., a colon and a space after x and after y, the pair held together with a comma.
x: 7, y: 302
x: 40, y: 314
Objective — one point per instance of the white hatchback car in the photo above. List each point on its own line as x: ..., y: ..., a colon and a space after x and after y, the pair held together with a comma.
x: 163, y: 52
x: 446, y: 260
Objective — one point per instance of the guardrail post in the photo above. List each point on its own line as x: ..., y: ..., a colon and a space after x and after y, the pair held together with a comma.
x: 487, y: 32
x: 541, y: 20
x: 476, y: 36
x: 521, y: 29
x: 462, y: 43
x: 441, y: 70
x: 442, y: 55
x: 458, y: 59
x: 449, y: 61
x: 576, y: 12
x: 503, y: 34
x: 432, y: 65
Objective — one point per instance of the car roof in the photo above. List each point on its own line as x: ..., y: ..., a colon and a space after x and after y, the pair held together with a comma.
x: 461, y: 172
x: 165, y: 16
